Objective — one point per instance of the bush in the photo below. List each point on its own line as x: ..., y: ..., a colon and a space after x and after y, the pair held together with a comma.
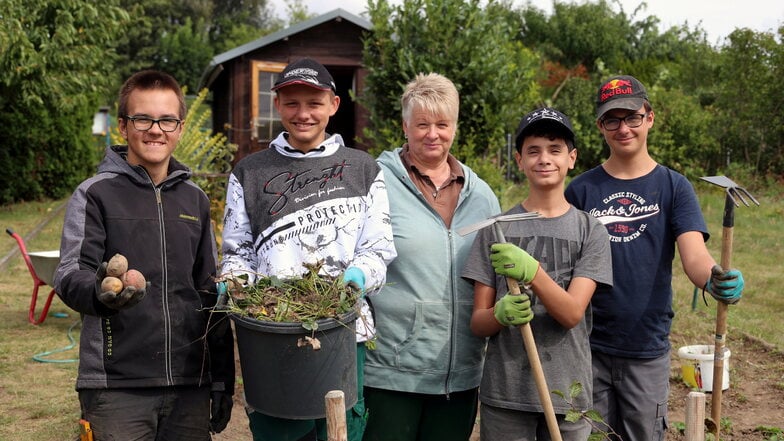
x: 46, y: 155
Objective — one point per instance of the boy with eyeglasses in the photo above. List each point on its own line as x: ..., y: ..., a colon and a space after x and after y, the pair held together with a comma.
x: 647, y: 208
x: 153, y: 362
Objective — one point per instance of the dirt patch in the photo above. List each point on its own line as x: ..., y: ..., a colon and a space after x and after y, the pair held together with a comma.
x: 754, y: 400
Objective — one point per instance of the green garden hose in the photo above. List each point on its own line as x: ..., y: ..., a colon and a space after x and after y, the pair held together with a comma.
x: 39, y: 357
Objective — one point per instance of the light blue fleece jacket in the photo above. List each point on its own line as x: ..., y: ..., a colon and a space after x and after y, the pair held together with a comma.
x: 423, y: 314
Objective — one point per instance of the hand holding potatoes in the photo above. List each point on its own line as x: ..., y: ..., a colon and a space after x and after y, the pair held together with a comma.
x: 118, y: 287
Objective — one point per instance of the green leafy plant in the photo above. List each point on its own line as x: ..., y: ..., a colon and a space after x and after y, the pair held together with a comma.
x: 305, y: 299
x: 679, y: 426
x: 770, y: 433
x: 599, y: 428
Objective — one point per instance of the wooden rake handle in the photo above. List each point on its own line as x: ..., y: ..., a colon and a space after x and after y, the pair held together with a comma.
x: 721, y: 320
x: 533, y: 356
x: 536, y: 368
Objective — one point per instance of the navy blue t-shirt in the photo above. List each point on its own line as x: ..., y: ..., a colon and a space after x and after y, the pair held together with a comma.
x: 644, y: 217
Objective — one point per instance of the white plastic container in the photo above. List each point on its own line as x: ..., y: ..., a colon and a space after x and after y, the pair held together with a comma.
x: 697, y: 367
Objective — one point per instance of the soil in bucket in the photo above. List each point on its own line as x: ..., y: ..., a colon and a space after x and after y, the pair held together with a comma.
x: 285, y: 379
x: 697, y: 367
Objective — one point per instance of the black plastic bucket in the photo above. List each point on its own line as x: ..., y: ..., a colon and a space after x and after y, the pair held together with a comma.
x: 287, y: 381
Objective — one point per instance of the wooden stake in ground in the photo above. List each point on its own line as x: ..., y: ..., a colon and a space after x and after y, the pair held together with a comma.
x: 695, y: 416
x: 335, y: 402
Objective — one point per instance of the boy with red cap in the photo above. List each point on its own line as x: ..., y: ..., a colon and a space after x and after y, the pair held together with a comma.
x: 647, y: 208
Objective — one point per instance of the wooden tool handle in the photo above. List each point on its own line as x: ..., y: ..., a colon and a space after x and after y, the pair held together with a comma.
x: 533, y: 356
x: 536, y: 369
x: 721, y: 334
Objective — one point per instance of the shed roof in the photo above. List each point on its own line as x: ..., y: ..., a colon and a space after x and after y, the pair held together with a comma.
x: 213, y: 69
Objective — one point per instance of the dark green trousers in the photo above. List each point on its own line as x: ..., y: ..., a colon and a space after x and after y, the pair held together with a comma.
x: 404, y: 416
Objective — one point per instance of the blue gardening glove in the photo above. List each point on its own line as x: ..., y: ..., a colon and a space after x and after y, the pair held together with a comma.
x: 220, y: 410
x: 223, y: 294
x: 128, y: 297
x: 725, y: 286
x: 355, y: 278
x: 513, y: 310
x: 510, y: 261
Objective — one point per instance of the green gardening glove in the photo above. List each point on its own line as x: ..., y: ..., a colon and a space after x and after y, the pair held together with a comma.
x: 725, y: 286
x: 510, y: 261
x: 513, y: 310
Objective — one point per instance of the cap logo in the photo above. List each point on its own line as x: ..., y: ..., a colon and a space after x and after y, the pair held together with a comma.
x: 304, y: 73
x: 545, y: 113
x: 616, y: 87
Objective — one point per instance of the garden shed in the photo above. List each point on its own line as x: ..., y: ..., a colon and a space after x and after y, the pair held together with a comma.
x: 240, y: 79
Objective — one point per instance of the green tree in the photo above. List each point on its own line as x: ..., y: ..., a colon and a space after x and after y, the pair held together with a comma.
x: 750, y: 100
x: 681, y: 137
x: 470, y: 43
x: 181, y: 36
x: 583, y: 44
x: 297, y: 11
x: 236, y: 22
x: 184, y: 51
x: 56, y: 58
x: 579, y: 34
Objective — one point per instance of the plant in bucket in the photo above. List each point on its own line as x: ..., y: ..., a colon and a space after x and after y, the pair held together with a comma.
x: 296, y: 341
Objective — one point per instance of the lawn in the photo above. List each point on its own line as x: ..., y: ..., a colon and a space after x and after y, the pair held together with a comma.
x: 38, y: 398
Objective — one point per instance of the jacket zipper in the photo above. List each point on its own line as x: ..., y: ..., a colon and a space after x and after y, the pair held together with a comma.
x: 453, y: 295
x: 167, y: 343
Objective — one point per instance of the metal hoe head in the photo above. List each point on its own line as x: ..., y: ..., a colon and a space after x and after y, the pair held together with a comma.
x: 495, y: 219
x: 733, y: 190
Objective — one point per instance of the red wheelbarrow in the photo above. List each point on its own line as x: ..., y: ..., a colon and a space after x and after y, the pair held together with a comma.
x: 42, y: 265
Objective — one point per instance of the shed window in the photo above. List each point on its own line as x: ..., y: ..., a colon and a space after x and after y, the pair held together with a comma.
x: 264, y: 119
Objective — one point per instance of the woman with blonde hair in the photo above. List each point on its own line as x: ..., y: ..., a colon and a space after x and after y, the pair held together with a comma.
x: 421, y: 381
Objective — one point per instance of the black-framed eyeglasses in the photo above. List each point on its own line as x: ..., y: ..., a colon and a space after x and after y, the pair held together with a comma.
x: 144, y: 123
x: 632, y: 121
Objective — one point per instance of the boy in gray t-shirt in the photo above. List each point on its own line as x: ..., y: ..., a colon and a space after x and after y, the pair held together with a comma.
x: 563, y: 256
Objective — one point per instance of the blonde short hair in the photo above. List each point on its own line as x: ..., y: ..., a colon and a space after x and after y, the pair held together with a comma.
x: 433, y: 93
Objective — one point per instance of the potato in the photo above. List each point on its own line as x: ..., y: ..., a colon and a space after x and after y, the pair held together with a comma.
x: 112, y: 284
x: 133, y: 278
x: 117, y: 265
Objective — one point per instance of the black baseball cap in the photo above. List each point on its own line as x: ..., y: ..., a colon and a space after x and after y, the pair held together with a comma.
x: 545, y: 117
x: 620, y: 92
x: 308, y: 72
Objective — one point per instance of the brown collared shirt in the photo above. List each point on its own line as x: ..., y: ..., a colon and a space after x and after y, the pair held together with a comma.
x: 443, y: 199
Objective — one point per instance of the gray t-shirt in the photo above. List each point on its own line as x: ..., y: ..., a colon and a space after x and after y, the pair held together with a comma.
x: 572, y: 245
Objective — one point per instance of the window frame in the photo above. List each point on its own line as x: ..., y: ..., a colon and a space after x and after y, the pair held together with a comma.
x: 257, y: 68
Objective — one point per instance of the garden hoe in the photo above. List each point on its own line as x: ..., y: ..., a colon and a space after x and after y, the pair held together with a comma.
x: 734, y: 193
x: 525, y: 330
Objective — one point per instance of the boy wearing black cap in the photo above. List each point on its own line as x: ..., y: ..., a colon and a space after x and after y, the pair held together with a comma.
x: 308, y: 199
x: 563, y: 255
x: 646, y: 208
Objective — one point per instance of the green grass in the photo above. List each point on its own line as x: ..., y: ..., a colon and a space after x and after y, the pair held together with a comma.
x: 758, y: 250
x: 39, y: 402
x: 37, y: 398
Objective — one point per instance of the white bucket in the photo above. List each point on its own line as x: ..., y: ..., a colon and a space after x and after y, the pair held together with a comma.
x: 697, y: 367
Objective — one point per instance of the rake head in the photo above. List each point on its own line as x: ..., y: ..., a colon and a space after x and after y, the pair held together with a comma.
x: 733, y: 190
x: 498, y: 218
